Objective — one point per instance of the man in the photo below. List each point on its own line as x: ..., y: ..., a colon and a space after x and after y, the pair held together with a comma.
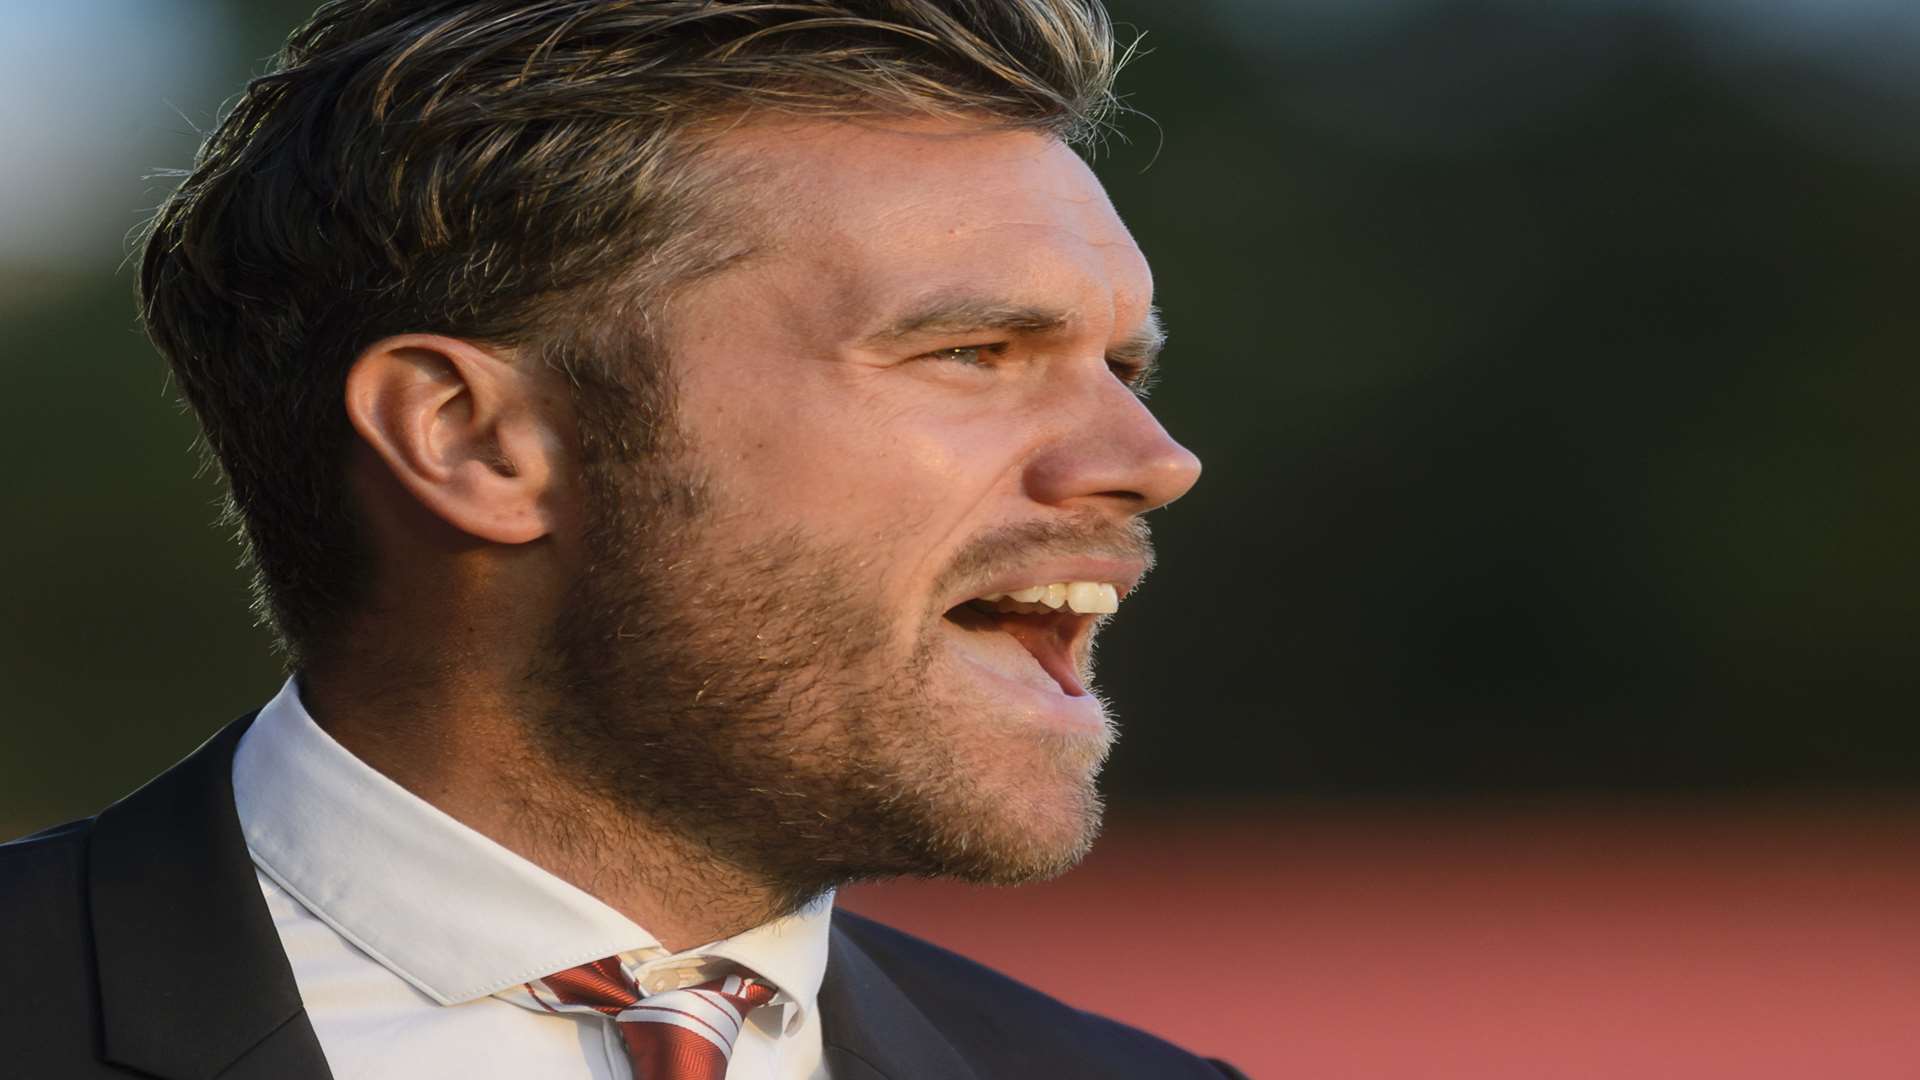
x: 686, y: 449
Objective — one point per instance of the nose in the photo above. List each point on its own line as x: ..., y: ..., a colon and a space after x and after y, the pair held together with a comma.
x: 1116, y: 456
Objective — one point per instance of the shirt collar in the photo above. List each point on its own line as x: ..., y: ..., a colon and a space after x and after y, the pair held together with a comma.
x: 440, y: 905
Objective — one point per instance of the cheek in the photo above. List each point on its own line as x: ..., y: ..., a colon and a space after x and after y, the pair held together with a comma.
x: 867, y: 473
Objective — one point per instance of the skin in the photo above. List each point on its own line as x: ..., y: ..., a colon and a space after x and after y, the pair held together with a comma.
x: 861, y: 470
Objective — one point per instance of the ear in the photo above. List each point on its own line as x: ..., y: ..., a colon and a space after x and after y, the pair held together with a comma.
x: 463, y: 430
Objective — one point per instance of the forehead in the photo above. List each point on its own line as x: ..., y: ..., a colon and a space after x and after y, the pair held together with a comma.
x: 871, y: 215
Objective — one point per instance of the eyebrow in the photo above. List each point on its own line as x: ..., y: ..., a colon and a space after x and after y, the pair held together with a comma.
x: 974, y: 314
x: 965, y: 314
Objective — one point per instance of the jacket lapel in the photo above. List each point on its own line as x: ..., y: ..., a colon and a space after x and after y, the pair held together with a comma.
x: 872, y: 1030
x: 193, y: 981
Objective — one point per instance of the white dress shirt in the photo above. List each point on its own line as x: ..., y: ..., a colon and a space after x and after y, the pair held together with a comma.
x: 401, y: 924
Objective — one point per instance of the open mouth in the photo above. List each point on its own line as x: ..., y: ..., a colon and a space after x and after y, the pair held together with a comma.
x: 1048, y: 621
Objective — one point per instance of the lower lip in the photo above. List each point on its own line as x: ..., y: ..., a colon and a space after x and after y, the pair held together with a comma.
x: 1047, y: 705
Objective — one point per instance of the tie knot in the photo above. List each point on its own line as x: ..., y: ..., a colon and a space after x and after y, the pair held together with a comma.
x: 602, y: 986
x: 685, y: 1034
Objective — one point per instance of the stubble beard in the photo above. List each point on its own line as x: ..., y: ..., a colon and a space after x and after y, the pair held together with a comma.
x: 749, y: 699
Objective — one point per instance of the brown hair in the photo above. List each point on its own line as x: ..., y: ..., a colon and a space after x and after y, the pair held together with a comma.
x: 525, y: 174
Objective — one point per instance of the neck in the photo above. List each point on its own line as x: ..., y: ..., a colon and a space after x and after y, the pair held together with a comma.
x: 459, y: 741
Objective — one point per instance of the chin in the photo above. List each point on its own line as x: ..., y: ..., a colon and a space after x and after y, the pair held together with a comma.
x: 1018, y: 800
x: 1019, y: 849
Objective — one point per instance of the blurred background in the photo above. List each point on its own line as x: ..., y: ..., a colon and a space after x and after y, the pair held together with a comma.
x: 1529, y: 689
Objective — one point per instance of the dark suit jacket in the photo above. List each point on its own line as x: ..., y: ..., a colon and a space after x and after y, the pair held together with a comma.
x: 137, y: 943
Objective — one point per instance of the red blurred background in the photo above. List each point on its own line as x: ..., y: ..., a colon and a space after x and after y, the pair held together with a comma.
x: 1643, y: 939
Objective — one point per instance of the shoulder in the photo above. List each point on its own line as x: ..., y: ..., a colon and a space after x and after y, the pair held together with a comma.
x: 1009, y: 1028
x: 46, y: 942
x: 42, y: 877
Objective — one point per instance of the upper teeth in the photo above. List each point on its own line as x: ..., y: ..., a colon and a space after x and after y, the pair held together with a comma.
x: 1084, y: 597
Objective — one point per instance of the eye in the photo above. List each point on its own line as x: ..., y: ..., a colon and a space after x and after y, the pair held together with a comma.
x: 969, y: 355
x: 1139, y: 377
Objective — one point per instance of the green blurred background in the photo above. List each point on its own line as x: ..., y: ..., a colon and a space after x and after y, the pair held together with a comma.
x: 1548, y: 360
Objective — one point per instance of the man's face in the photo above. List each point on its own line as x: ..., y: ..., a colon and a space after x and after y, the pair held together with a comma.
x: 916, y: 395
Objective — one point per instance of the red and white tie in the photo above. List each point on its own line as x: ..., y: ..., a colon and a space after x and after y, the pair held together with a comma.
x: 685, y: 1034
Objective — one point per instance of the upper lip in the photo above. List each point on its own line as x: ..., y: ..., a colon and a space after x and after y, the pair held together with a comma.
x: 1122, y: 574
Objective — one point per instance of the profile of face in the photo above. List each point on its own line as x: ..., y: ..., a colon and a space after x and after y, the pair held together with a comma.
x: 793, y: 640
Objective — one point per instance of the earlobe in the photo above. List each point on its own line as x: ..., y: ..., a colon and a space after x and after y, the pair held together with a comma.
x: 461, y: 430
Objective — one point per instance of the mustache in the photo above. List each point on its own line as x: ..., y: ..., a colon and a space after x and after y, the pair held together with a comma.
x: 1010, y: 546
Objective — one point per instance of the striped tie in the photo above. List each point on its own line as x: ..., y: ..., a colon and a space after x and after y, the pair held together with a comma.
x: 683, y: 1034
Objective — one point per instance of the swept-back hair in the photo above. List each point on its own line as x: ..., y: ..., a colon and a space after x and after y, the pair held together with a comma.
x: 529, y: 175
